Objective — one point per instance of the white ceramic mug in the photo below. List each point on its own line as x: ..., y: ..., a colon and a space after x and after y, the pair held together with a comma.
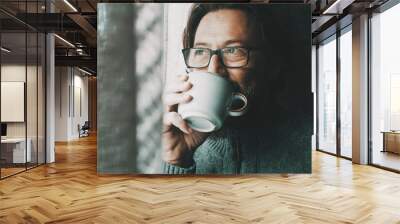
x: 213, y: 96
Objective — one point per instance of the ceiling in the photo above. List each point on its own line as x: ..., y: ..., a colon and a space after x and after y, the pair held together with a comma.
x: 76, y: 22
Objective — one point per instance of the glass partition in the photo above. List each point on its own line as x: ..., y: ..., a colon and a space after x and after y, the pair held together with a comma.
x: 41, y: 91
x: 31, y: 100
x: 385, y: 88
x: 327, y: 95
x: 14, y: 154
x: 346, y: 93
x: 22, y: 91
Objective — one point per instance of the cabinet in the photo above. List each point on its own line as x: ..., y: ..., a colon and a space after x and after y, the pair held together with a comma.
x: 391, y: 142
x: 13, y: 150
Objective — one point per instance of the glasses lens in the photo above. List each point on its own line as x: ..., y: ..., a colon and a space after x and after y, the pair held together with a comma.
x: 197, y: 57
x: 235, y: 56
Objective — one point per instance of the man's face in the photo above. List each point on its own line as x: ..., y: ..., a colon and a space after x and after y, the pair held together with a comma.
x: 227, y: 28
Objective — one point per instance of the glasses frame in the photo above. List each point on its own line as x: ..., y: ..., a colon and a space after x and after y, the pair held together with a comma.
x: 219, y: 53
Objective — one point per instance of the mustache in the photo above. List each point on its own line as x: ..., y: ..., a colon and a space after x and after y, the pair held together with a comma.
x: 236, y: 87
x: 247, y: 90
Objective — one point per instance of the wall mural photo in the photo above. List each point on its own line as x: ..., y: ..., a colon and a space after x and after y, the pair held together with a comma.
x: 204, y: 88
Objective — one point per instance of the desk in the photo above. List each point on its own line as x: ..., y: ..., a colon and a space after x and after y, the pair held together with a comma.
x: 16, y: 147
x: 391, y: 141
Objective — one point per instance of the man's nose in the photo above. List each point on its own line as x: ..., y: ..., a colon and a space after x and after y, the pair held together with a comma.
x: 216, y: 65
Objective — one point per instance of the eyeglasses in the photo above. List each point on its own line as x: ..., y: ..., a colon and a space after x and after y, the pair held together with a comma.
x: 232, y: 57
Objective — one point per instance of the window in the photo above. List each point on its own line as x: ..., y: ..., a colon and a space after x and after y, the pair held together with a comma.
x: 385, y: 88
x: 327, y: 95
x: 346, y: 93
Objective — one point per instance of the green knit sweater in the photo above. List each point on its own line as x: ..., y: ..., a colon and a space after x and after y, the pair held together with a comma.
x: 239, y: 151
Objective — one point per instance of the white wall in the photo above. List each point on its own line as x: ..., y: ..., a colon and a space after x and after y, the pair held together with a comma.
x: 80, y: 83
x: 16, y: 72
x: 12, y: 73
x: 12, y: 100
x: 33, y: 126
x: 69, y: 82
x: 61, y: 103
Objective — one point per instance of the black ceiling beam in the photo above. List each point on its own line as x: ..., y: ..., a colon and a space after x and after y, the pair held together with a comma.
x: 83, y: 61
x: 286, y: 1
x: 89, y: 14
x: 63, y: 51
x: 91, y: 5
x: 11, y: 25
x: 49, y: 22
x: 8, y: 15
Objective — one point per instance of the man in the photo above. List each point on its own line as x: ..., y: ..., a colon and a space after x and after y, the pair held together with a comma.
x: 244, y: 144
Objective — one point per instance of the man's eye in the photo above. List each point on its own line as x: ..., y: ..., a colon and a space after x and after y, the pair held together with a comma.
x: 231, y: 50
x: 199, y: 52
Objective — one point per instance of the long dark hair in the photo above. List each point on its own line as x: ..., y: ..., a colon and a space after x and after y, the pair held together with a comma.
x: 199, y: 10
x: 268, y: 75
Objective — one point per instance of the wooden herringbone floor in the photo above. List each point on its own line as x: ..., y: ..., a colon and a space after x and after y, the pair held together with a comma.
x: 70, y: 191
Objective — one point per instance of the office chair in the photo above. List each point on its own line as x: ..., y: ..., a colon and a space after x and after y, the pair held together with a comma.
x: 84, y: 130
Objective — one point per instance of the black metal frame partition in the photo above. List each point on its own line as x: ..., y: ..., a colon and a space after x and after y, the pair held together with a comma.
x: 44, y: 93
x: 337, y: 35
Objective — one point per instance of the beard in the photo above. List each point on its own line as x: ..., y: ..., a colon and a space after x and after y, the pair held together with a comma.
x: 249, y: 92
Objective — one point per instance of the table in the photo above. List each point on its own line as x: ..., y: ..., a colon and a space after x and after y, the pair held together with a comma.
x: 391, y: 141
x: 16, y: 147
